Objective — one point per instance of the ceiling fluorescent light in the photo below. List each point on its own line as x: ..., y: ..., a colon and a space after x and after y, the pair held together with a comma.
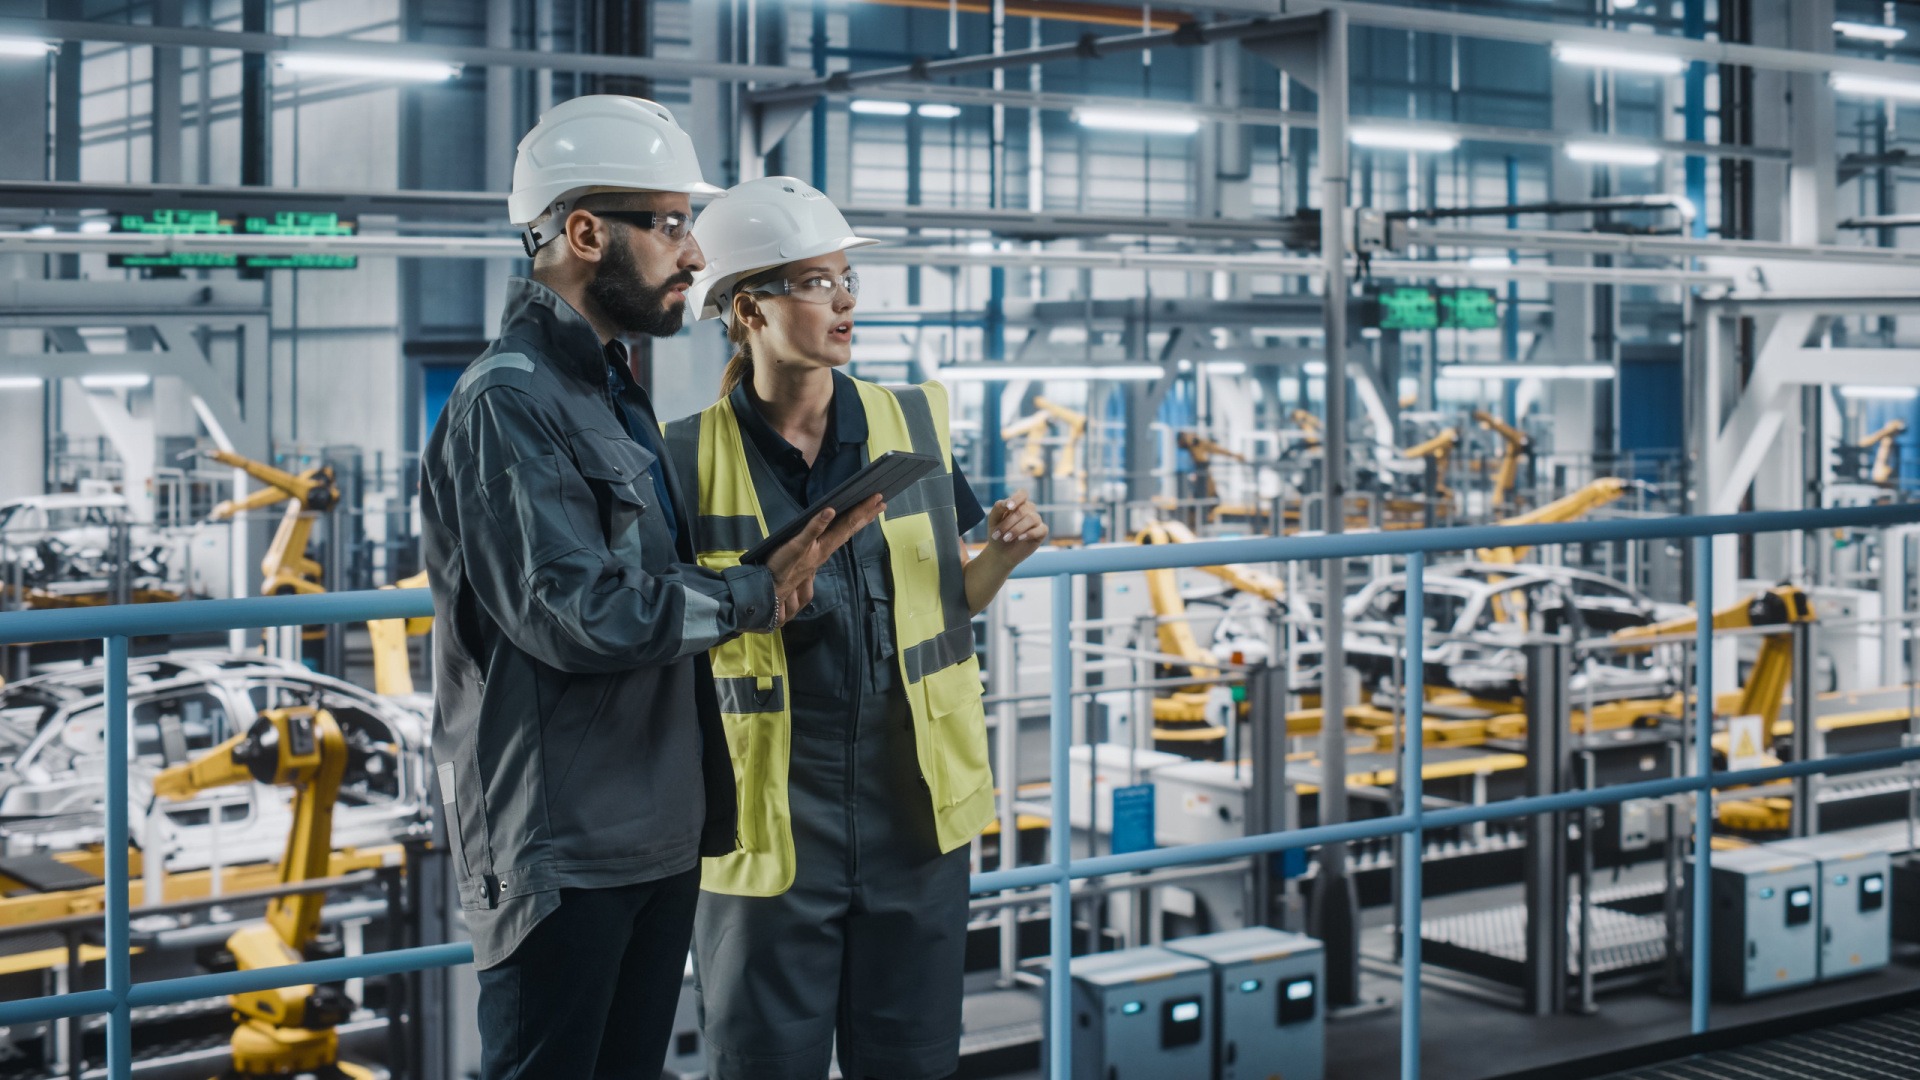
x: 1393, y: 138
x: 1881, y: 393
x: 1225, y: 367
x: 1527, y: 371
x: 1596, y: 56
x: 1137, y: 121
x: 870, y: 107
x: 937, y: 111
x: 998, y: 372
x: 1610, y: 153
x: 1490, y: 262
x: 27, y: 48
x: 115, y: 382
x: 1875, y: 86
x: 20, y: 382
x: 370, y: 67
x: 1869, y: 31
x: 1314, y: 368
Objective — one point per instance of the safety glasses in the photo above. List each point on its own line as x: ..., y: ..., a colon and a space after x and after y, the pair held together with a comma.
x: 813, y: 287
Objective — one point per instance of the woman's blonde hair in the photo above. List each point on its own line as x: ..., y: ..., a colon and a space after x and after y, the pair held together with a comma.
x: 741, y: 364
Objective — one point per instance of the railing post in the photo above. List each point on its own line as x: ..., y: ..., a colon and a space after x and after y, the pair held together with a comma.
x: 119, y: 961
x: 1703, y: 766
x: 1060, y: 980
x: 1413, y: 691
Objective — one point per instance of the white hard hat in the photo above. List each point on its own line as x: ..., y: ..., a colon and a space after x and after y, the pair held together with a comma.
x: 601, y: 140
x: 762, y: 224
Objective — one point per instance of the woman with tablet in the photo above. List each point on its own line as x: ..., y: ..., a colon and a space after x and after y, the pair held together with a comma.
x: 856, y: 729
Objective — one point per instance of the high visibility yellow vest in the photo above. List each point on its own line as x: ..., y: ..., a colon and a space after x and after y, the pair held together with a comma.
x: 932, y: 626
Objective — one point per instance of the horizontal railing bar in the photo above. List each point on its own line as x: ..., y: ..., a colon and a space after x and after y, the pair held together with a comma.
x: 1375, y: 828
x: 1122, y: 558
x: 92, y: 919
x: 211, y: 616
x: 41, y: 1009
x: 370, y: 965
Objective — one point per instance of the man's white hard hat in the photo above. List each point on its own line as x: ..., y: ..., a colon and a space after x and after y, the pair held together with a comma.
x: 601, y: 141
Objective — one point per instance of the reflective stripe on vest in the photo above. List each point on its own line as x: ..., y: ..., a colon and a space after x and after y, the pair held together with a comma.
x: 940, y: 674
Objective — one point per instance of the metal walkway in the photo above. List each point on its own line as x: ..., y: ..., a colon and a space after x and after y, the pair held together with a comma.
x: 1884, y: 1047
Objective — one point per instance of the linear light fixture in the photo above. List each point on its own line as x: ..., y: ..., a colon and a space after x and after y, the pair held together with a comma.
x: 1137, y: 121
x: 20, y: 382
x: 1526, y: 371
x: 1397, y: 138
x: 370, y: 67
x: 115, y: 382
x: 1225, y: 367
x: 27, y: 48
x: 1881, y: 393
x: 872, y: 107
x: 997, y: 372
x: 1863, y: 31
x: 1875, y: 86
x: 938, y: 111
x: 1597, y: 56
x: 1611, y: 153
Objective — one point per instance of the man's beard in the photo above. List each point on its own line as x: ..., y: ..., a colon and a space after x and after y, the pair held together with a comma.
x: 635, y: 306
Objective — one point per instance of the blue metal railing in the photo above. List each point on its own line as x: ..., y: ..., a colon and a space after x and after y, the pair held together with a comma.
x: 116, y: 625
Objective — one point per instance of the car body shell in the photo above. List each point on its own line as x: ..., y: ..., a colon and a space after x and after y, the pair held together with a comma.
x: 53, y: 759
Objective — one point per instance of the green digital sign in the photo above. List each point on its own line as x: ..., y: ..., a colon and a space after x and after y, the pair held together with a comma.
x: 1469, y: 309
x: 289, y: 223
x: 1415, y: 308
x: 1408, y: 309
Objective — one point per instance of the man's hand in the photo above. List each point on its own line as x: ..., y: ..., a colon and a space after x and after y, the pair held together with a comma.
x: 794, y: 563
x: 1015, y: 528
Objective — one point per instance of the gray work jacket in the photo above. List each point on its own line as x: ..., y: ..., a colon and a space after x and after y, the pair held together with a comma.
x: 576, y: 731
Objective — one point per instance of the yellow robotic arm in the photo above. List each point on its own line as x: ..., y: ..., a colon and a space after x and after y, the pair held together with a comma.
x: 1033, y: 452
x: 1517, y: 445
x: 290, y: 1029
x: 392, y: 668
x: 1075, y: 423
x: 1440, y: 449
x: 286, y: 569
x: 1883, y: 458
x: 1309, y: 425
x: 1566, y: 508
x: 1782, y: 605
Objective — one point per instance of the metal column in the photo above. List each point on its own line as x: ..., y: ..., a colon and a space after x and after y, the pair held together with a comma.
x: 1335, y: 910
x: 1546, y: 868
x: 1808, y: 745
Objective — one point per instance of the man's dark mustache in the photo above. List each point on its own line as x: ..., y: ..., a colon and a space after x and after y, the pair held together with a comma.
x: 685, y: 277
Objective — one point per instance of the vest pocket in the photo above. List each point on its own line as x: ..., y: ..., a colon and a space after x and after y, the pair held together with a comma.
x: 957, y: 733
x: 751, y: 710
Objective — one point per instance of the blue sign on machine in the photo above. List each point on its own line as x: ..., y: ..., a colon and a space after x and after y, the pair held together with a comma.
x: 1133, y: 819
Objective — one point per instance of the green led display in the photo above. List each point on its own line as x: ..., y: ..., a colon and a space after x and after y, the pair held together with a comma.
x: 1408, y: 309
x: 174, y: 223
x: 298, y: 223
x: 1469, y: 309
x: 212, y: 223
x: 1414, y: 308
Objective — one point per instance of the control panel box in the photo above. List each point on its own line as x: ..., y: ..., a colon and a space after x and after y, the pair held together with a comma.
x: 1855, y: 903
x: 1143, y: 1014
x: 1766, y: 936
x: 1269, y: 1017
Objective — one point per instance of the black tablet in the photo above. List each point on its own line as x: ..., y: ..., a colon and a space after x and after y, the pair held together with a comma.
x: 888, y: 476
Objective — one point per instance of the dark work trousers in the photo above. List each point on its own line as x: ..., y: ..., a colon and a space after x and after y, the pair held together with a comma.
x: 591, y: 991
x: 867, y: 948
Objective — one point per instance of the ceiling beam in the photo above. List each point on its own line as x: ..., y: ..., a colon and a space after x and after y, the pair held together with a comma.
x: 469, y: 55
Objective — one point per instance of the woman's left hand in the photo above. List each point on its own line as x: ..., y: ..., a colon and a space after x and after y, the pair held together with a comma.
x: 1015, y: 528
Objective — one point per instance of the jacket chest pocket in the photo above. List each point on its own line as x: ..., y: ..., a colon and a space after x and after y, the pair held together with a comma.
x: 616, y: 468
